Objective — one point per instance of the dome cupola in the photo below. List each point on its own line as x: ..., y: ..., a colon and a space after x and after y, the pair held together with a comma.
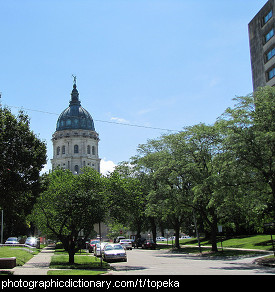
x: 75, y: 116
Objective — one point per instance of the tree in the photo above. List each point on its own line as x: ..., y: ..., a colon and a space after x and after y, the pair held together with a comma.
x: 70, y: 205
x: 166, y: 200
x: 22, y: 156
x: 250, y: 135
x: 190, y: 171
x: 125, y: 201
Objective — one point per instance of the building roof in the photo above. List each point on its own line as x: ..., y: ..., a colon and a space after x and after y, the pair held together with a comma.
x: 75, y: 116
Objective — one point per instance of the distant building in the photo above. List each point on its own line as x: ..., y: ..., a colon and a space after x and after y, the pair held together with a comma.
x: 262, y: 46
x: 75, y: 141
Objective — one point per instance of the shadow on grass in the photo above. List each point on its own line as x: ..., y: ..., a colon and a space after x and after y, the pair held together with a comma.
x: 82, y: 262
x: 207, y: 253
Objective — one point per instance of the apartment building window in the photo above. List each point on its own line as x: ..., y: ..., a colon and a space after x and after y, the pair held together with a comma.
x: 269, y: 35
x: 268, y: 16
x: 270, y: 54
x: 271, y: 73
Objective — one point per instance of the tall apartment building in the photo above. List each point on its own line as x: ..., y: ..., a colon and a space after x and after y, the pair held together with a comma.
x: 262, y: 46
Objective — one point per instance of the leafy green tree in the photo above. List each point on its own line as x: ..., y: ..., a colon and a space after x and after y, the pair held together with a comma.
x: 70, y: 205
x: 166, y: 200
x: 22, y: 156
x: 250, y: 136
x: 190, y: 171
x: 125, y: 198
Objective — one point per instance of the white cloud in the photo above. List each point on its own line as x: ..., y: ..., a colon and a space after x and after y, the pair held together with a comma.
x: 106, y: 166
x: 119, y: 120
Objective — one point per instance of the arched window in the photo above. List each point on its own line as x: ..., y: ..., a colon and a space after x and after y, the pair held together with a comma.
x: 58, y: 150
x: 88, y: 149
x: 93, y: 150
x: 75, y: 148
x: 63, y: 149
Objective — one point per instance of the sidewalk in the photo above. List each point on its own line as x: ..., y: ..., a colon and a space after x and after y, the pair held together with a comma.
x: 37, y: 265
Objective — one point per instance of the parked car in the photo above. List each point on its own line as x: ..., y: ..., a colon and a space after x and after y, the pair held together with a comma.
x: 12, y: 240
x: 32, y: 241
x: 161, y: 239
x: 185, y: 237
x: 117, y: 239
x: 114, y: 252
x: 92, y: 244
x: 99, y: 248
x: 150, y: 244
x: 138, y: 242
x: 126, y: 243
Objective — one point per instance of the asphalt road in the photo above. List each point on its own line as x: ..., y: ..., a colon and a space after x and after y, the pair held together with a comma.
x: 163, y: 262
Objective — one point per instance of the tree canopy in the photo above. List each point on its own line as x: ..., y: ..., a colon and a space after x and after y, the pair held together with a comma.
x: 22, y: 156
x: 71, y: 204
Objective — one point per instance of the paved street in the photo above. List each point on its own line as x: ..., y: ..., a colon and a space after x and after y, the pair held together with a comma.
x: 162, y: 262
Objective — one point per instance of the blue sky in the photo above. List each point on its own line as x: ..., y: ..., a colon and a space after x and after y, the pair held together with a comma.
x: 164, y: 64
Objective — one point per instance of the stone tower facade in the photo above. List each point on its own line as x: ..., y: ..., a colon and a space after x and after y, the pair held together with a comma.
x: 75, y: 141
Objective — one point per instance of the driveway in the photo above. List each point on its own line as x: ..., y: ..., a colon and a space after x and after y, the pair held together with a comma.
x: 163, y: 262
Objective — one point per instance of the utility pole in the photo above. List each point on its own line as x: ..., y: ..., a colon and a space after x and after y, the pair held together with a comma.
x: 2, y: 226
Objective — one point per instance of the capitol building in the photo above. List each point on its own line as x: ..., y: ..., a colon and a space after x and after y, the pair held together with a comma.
x: 75, y: 141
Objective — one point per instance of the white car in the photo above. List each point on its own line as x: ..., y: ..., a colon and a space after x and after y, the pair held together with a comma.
x: 99, y: 249
x: 161, y: 239
x: 185, y: 237
x: 31, y: 241
x: 114, y: 252
x: 126, y: 243
x: 12, y: 240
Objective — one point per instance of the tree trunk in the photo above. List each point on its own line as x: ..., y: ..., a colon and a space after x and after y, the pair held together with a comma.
x: 214, y: 233
x: 153, y: 228
x: 177, y: 232
x: 71, y: 251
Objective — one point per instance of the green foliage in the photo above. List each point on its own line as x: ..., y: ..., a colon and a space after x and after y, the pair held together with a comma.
x: 125, y: 198
x: 70, y: 204
x: 222, y: 172
x: 22, y: 156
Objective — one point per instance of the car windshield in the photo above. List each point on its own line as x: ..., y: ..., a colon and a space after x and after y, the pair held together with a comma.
x: 12, y: 239
x: 32, y: 239
x: 110, y: 247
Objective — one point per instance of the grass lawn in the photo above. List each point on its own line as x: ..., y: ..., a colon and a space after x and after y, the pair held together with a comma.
x: 85, y: 264
x: 206, y: 251
x: 261, y: 242
x: 22, y: 254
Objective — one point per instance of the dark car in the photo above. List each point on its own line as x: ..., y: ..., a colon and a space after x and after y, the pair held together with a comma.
x: 150, y: 244
x: 138, y: 242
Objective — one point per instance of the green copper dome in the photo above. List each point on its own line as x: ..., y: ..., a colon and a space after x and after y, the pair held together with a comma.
x: 75, y: 116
